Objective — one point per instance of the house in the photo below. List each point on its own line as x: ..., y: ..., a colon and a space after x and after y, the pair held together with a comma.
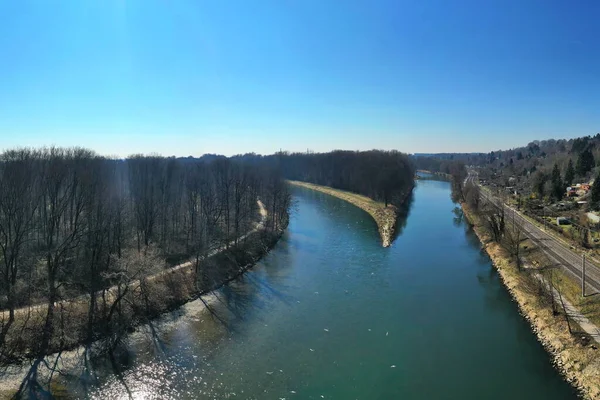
x: 585, y: 186
x: 593, y: 217
x: 571, y: 192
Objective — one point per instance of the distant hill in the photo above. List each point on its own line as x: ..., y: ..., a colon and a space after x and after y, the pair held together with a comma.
x: 531, y: 166
x: 446, y: 156
x: 205, y: 158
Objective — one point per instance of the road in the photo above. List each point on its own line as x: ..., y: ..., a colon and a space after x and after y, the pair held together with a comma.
x: 557, y: 251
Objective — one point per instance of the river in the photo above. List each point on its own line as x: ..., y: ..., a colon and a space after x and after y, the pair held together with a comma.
x: 329, y: 313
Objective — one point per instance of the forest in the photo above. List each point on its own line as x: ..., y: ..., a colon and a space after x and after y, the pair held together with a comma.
x: 444, y: 163
x: 386, y: 176
x: 100, y: 233
x: 91, y: 246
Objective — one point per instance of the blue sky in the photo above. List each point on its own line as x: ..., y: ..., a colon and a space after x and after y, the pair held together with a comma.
x: 190, y: 77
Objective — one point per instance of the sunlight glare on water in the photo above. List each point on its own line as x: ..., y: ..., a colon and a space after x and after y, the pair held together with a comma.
x: 330, y: 314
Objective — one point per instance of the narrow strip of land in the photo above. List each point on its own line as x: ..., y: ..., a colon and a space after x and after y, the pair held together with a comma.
x: 111, y: 292
x: 556, y: 250
x: 385, y: 217
x: 576, y: 358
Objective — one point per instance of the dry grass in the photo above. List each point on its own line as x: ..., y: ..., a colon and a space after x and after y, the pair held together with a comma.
x: 577, y: 360
x: 385, y: 217
x: 589, y: 306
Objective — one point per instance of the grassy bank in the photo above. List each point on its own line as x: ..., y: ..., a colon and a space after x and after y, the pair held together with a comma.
x: 574, y: 354
x: 385, y: 217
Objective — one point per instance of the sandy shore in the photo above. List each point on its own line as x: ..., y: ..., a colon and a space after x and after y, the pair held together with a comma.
x: 385, y: 217
x: 578, y: 362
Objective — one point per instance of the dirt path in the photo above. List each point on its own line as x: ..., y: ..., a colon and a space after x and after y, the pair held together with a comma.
x: 39, y: 309
x: 585, y: 324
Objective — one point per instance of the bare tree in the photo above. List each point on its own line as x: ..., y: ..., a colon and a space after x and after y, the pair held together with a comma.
x: 18, y: 205
x: 472, y: 196
x: 511, y: 242
x: 74, y: 223
x: 60, y: 221
x: 558, y: 287
x: 494, y: 221
x: 144, y: 173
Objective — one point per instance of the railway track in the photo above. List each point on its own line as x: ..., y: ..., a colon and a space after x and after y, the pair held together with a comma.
x: 557, y: 252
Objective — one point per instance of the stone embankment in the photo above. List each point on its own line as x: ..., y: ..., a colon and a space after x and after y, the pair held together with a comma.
x: 384, y: 216
x: 577, y: 357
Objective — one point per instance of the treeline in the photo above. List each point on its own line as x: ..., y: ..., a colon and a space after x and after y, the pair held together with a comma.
x: 543, y: 168
x: 444, y: 163
x: 569, y: 164
x: 447, y: 164
x: 386, y: 176
x: 72, y: 222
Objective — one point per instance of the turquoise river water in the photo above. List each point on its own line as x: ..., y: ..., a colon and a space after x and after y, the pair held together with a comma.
x: 331, y: 314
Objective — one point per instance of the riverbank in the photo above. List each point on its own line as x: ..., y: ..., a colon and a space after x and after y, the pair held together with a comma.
x: 438, y: 175
x: 573, y: 354
x: 121, y: 308
x: 385, y: 217
x: 176, y: 290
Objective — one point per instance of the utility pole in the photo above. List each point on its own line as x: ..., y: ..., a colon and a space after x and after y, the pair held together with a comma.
x: 544, y: 215
x: 583, y: 277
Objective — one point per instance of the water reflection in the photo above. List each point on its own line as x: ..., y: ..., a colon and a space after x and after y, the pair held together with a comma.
x: 403, y: 214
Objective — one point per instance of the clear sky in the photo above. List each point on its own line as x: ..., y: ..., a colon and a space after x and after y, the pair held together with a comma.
x: 187, y: 77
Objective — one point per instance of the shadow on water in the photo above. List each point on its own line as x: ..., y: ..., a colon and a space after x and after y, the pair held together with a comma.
x: 496, y: 297
x: 459, y: 216
x: 403, y: 214
x: 233, y: 305
x: 241, y: 300
x: 45, y: 379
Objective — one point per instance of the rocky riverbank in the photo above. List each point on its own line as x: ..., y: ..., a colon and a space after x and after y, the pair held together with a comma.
x: 385, y: 217
x: 578, y: 360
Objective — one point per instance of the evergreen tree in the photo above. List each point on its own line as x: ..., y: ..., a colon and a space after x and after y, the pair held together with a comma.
x: 539, y: 184
x: 596, y: 192
x: 585, y: 162
x: 569, y: 174
x: 557, y: 184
